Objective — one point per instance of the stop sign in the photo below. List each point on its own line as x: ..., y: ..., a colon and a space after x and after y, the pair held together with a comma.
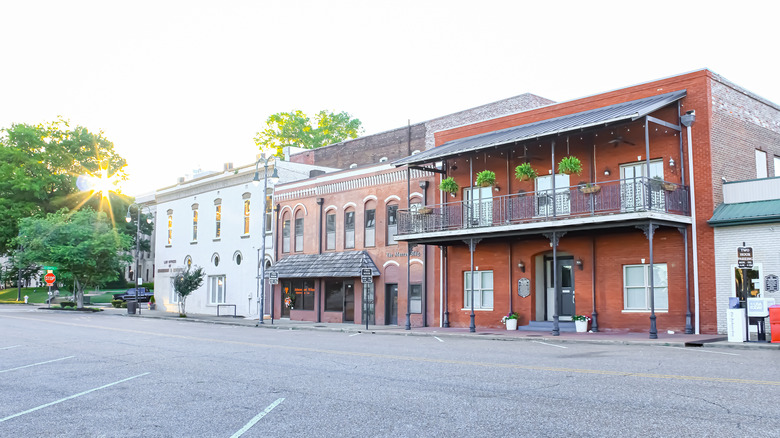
x: 50, y: 278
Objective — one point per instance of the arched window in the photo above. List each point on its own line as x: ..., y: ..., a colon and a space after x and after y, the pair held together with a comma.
x: 369, y: 221
x: 246, y: 216
x: 392, y: 223
x: 299, y: 230
x: 286, y: 232
x: 349, y: 228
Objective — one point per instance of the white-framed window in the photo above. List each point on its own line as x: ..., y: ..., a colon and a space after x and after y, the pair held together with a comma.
x: 777, y: 166
x: 392, y: 223
x: 170, y: 228
x: 269, y: 208
x: 483, y: 289
x: 370, y: 227
x: 298, y: 232
x: 761, y: 164
x: 218, y: 221
x: 330, y: 231
x: 349, y: 229
x: 636, y: 287
x: 415, y: 298
x: 246, y: 216
x: 286, y: 235
x: 217, y: 289
x: 194, y: 225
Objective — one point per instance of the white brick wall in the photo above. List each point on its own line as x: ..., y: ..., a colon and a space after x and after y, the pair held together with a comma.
x: 765, y: 241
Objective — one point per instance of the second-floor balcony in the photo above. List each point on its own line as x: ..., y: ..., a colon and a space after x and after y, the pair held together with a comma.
x: 628, y: 196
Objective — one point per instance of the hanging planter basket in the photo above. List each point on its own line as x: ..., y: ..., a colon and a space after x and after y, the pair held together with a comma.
x: 669, y: 187
x: 525, y: 172
x: 570, y: 165
x: 449, y: 185
x: 486, y: 178
x: 590, y: 188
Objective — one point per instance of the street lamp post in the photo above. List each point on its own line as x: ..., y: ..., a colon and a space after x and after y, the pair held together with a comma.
x: 261, y: 255
x: 139, y: 210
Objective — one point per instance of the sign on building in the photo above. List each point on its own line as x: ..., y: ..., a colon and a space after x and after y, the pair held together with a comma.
x: 744, y: 257
x: 770, y: 283
x: 366, y: 276
x: 273, y: 277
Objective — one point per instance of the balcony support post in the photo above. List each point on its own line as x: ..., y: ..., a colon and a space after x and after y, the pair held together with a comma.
x: 445, y: 285
x: 688, y: 320
x: 649, y: 231
x: 554, y: 238
x: 472, y: 243
x: 648, y: 190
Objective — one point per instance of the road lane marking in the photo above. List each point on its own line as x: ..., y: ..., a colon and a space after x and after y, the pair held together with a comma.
x: 551, y: 345
x: 257, y: 418
x: 354, y: 335
x: 35, y: 364
x: 12, y: 346
x: 413, y: 358
x: 437, y: 338
x: 69, y: 398
x: 698, y: 350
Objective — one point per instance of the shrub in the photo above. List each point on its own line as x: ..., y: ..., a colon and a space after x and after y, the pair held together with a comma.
x: 65, y: 304
x: 117, y: 303
x: 123, y: 305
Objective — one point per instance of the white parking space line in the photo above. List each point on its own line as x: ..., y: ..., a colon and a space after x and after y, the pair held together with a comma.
x: 551, y: 345
x: 699, y: 350
x: 12, y: 346
x: 354, y: 334
x: 257, y: 418
x: 68, y: 398
x: 35, y: 364
x: 438, y: 339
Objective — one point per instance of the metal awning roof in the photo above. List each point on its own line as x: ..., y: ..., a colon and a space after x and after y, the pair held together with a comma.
x: 746, y: 213
x: 600, y: 116
x: 328, y: 265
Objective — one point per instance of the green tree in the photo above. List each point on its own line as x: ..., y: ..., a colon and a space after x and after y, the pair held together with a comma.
x: 41, y: 168
x: 297, y: 129
x: 84, y: 246
x: 185, y: 283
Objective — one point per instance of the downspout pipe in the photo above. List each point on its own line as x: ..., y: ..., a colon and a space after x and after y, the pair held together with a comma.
x: 687, y: 120
x: 424, y: 187
x: 320, y: 202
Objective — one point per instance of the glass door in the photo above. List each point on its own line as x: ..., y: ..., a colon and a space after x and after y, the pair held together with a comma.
x: 544, y: 195
x: 636, y: 184
x: 478, y: 206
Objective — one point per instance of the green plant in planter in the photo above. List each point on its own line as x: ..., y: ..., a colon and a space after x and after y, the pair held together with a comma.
x: 524, y: 172
x: 449, y: 185
x: 570, y: 165
x: 486, y: 178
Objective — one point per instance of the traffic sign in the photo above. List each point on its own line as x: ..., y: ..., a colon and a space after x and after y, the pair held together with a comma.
x: 366, y: 276
x: 273, y: 277
x: 50, y: 279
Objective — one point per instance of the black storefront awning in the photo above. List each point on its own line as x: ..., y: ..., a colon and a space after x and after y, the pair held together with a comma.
x: 328, y: 265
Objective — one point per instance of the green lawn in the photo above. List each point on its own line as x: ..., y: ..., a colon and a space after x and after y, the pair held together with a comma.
x: 40, y: 294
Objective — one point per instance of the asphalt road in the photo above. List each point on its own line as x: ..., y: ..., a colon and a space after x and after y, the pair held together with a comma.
x: 96, y: 375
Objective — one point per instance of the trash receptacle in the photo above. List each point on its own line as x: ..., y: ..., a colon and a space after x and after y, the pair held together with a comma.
x: 131, y: 306
x: 774, y: 322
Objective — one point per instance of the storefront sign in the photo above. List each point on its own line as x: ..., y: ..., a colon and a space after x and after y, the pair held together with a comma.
x: 744, y: 257
x: 404, y: 254
x: 524, y: 287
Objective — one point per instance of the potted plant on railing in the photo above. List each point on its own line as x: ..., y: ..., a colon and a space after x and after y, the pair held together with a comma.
x: 510, y: 320
x: 486, y: 178
x: 425, y: 210
x: 589, y: 188
x: 581, y: 323
x: 449, y: 185
x: 570, y: 165
x: 525, y: 172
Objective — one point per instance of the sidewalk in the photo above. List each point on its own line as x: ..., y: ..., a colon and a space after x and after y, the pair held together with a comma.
x: 664, y: 338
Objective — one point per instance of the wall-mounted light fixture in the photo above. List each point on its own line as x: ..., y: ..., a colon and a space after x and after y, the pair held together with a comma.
x: 497, y: 188
x: 521, y: 265
x: 579, y: 264
x: 671, y: 162
x: 607, y: 172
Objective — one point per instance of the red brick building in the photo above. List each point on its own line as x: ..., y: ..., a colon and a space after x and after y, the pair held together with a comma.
x: 332, y: 227
x: 623, y: 240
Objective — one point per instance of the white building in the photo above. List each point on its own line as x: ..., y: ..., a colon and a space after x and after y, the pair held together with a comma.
x: 216, y: 221
x: 749, y: 216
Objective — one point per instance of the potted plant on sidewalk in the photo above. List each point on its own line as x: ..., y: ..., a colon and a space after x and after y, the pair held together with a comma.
x: 581, y: 323
x: 511, y: 320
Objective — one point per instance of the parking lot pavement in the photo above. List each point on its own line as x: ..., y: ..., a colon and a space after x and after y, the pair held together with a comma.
x: 664, y: 338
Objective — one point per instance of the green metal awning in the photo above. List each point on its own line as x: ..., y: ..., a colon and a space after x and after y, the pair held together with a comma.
x: 755, y: 212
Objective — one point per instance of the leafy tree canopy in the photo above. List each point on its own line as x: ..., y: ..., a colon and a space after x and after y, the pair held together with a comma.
x: 84, y: 246
x: 40, y: 166
x: 297, y: 129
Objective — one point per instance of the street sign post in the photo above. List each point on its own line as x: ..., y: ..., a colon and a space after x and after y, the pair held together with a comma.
x: 273, y: 277
x: 366, y: 276
x: 50, y: 278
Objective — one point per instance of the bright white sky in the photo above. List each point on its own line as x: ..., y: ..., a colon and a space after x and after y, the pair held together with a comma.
x: 180, y: 85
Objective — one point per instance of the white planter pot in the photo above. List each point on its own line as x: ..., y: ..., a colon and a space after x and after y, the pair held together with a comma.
x: 582, y: 326
x: 511, y: 324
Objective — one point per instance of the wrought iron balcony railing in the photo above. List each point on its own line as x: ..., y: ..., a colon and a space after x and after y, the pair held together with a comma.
x: 607, y: 198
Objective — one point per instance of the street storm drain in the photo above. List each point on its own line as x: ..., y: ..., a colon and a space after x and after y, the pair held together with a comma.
x: 320, y: 325
x: 533, y: 336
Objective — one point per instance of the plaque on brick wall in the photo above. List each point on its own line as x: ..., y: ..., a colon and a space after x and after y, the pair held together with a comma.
x: 524, y: 287
x: 770, y: 283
